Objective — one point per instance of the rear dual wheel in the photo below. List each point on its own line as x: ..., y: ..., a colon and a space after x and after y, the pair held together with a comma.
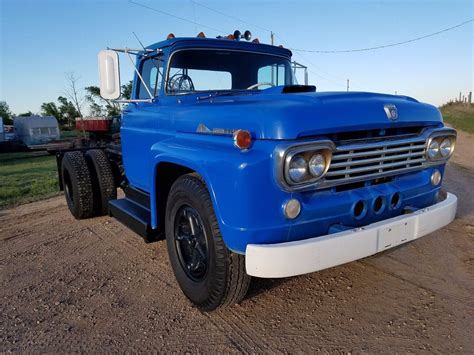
x: 88, y: 183
x: 103, y: 181
x: 209, y: 274
x: 77, y: 185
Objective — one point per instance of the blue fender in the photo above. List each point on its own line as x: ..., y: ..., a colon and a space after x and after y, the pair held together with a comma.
x: 175, y: 159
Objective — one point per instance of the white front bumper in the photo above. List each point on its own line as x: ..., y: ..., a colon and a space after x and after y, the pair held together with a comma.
x: 309, y: 255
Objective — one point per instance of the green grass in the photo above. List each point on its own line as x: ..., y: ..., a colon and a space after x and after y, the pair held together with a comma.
x: 70, y: 134
x: 26, y: 177
x: 459, y: 116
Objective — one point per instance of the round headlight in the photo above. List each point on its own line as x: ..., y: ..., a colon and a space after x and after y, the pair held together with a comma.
x: 433, y: 149
x: 445, y: 147
x: 317, y: 165
x: 298, y: 168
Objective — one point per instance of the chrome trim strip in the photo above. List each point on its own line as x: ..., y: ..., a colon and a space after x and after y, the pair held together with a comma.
x: 377, y: 160
x: 377, y: 152
x: 328, y: 183
x: 374, y: 167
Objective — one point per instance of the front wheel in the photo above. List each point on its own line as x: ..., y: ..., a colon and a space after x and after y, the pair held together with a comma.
x: 209, y: 274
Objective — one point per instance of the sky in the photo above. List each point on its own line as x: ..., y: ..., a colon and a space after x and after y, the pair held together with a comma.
x: 41, y: 40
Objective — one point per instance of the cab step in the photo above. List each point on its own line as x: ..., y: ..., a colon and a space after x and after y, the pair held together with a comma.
x: 134, y: 212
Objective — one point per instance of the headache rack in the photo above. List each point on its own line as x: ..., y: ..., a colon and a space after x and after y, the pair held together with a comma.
x: 359, y: 162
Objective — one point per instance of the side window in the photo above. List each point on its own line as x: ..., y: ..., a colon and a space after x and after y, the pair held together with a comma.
x: 152, y: 74
x: 274, y: 74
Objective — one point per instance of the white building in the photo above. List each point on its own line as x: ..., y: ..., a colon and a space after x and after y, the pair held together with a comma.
x: 35, y: 130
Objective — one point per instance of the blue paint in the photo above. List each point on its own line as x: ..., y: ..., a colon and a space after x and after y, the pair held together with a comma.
x: 247, y: 200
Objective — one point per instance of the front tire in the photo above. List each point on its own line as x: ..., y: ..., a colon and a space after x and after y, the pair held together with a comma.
x: 209, y: 274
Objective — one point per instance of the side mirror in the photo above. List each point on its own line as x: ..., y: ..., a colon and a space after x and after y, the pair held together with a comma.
x: 109, y: 75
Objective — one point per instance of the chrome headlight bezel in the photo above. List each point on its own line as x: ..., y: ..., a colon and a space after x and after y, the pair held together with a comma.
x: 307, y: 150
x: 440, y: 137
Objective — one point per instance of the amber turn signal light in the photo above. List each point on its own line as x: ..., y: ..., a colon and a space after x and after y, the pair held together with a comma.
x: 242, y: 139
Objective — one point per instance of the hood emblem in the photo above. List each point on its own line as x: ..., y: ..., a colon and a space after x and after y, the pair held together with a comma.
x: 391, y: 111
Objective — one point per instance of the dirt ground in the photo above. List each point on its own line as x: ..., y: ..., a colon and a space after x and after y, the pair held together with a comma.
x: 93, y: 285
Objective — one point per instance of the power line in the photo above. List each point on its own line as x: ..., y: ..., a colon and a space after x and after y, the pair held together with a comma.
x: 316, y: 66
x: 176, y: 17
x: 243, y: 21
x: 230, y: 16
x: 276, y: 35
x: 385, y: 45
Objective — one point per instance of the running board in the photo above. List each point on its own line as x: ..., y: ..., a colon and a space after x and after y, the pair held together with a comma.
x: 134, y: 216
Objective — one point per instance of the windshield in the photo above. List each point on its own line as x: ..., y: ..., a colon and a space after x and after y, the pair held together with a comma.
x: 201, y: 70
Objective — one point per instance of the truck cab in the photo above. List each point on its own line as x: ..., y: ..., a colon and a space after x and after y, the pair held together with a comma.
x: 246, y: 173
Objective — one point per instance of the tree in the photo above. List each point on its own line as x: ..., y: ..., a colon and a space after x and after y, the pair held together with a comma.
x: 26, y: 114
x: 65, y: 111
x: 5, y: 113
x: 72, y: 92
x: 68, y: 111
x: 100, y: 106
x: 127, y: 90
x: 50, y: 109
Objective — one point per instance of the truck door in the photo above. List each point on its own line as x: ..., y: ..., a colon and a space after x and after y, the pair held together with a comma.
x: 140, y: 123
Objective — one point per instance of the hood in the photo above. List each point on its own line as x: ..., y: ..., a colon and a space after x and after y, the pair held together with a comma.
x: 276, y: 115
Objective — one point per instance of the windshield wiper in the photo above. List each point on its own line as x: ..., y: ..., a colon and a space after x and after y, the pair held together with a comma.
x: 222, y: 93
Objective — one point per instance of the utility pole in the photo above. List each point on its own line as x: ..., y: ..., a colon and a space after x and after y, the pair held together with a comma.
x: 272, y: 40
x: 347, y: 84
x: 469, y: 98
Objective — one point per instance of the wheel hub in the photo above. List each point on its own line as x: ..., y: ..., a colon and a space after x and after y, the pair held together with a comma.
x: 191, y: 243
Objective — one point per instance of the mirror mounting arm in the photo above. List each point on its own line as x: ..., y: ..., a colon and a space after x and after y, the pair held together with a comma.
x: 133, y: 101
x: 139, y: 75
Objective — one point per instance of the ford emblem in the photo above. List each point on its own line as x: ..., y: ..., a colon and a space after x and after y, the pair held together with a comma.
x: 391, y: 111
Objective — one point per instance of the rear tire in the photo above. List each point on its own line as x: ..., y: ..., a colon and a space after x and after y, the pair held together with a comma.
x: 216, y: 277
x: 77, y: 185
x: 103, y: 181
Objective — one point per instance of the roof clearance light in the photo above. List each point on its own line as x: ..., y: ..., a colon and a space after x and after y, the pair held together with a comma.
x: 201, y: 35
x: 170, y: 36
x: 256, y: 41
x: 242, y: 139
x: 230, y: 37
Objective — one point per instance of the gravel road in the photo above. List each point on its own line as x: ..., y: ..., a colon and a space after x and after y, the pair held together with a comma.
x: 93, y: 285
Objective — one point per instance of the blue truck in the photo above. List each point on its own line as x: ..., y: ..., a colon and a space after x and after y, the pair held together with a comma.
x: 246, y: 173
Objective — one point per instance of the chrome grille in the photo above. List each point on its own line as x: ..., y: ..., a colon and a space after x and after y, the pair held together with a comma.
x: 370, y: 160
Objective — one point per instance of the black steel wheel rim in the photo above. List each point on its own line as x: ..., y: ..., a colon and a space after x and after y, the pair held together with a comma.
x: 191, y: 243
